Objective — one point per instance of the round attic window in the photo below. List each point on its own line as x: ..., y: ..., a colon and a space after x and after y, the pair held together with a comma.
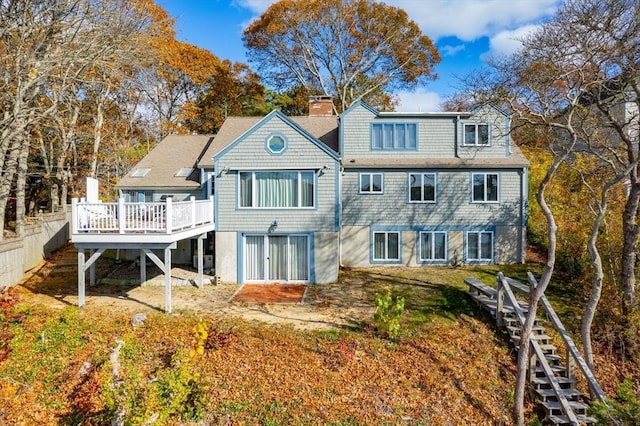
x: 276, y: 144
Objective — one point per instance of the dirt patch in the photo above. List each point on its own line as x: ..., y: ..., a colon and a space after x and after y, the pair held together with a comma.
x: 270, y: 293
x: 54, y: 283
x: 350, y: 303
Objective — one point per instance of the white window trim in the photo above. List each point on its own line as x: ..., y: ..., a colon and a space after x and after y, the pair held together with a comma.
x: 299, y: 189
x: 446, y: 246
x: 371, y: 192
x: 210, y: 176
x: 485, y: 201
x: 386, y: 246
x: 480, y: 259
x: 285, y: 144
x: 435, y: 187
x: 476, y: 144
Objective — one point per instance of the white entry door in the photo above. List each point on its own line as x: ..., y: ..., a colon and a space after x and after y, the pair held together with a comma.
x: 276, y: 258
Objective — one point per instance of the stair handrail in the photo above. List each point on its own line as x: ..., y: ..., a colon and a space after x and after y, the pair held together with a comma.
x: 564, y: 334
x: 570, y: 345
x: 555, y: 385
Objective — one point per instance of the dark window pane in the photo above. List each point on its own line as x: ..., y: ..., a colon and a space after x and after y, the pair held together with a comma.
x: 392, y: 246
x: 439, y: 245
x: 478, y: 188
x: 377, y: 183
x: 429, y: 187
x: 470, y: 134
x: 483, y: 134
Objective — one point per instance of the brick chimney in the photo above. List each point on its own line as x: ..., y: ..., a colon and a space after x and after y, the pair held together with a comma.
x: 320, y: 106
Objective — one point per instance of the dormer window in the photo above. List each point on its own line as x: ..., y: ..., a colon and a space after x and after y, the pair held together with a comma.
x: 394, y: 136
x: 476, y: 134
x: 139, y: 172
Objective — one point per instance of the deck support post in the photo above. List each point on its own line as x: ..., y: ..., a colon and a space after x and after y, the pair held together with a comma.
x: 92, y: 271
x: 81, y: 275
x: 166, y: 270
x: 200, y: 282
x: 167, y: 280
x: 143, y: 267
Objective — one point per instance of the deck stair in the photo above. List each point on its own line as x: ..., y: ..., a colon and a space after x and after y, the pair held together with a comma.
x: 551, y: 381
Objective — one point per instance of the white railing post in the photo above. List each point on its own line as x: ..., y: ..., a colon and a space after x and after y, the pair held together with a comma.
x: 74, y: 215
x: 193, y: 211
x: 122, y: 219
x: 169, y: 221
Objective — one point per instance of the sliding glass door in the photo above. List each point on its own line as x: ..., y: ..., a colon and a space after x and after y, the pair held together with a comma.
x: 276, y: 258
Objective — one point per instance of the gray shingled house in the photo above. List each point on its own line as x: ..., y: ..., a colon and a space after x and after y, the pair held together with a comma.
x: 296, y: 197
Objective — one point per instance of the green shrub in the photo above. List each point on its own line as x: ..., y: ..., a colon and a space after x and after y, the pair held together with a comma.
x: 388, y: 314
x: 624, y: 409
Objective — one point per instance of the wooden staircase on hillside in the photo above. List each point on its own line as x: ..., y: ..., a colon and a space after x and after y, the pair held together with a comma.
x: 552, y: 382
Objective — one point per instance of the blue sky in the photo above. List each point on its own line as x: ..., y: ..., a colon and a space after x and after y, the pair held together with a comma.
x: 466, y: 32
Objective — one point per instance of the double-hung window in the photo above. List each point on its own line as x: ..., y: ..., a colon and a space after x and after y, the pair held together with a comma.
x: 480, y: 246
x: 476, y: 134
x: 386, y: 246
x: 394, y: 136
x: 484, y: 187
x: 290, y: 189
x: 371, y: 183
x: 422, y: 187
x: 433, y: 246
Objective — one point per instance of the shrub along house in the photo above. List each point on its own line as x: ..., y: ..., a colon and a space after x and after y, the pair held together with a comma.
x: 296, y: 197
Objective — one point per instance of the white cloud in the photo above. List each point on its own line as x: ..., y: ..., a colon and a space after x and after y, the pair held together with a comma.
x: 449, y: 50
x: 508, y: 42
x: 255, y: 6
x: 419, y: 101
x: 471, y: 19
x: 465, y: 19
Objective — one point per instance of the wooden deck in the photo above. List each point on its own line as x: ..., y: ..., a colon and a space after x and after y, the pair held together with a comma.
x: 153, y: 222
x: 153, y: 228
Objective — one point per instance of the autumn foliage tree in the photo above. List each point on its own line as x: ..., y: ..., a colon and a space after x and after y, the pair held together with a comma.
x: 347, y: 49
x: 232, y: 89
x: 48, y: 49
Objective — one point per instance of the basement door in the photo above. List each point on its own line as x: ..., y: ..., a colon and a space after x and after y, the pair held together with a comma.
x: 276, y: 258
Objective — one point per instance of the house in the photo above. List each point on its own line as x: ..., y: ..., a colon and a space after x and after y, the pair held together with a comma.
x: 431, y: 188
x: 276, y: 197
x: 294, y: 198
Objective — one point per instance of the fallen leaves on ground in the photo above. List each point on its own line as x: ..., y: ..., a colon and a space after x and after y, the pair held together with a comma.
x: 58, y: 370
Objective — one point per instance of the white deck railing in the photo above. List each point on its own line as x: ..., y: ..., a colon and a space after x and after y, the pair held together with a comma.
x: 143, y: 217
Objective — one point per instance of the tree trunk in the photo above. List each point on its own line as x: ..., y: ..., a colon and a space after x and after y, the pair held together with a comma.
x: 8, y: 175
x: 596, y: 288
x: 630, y: 242
x: 535, y: 292
x: 21, y: 184
x: 97, y: 131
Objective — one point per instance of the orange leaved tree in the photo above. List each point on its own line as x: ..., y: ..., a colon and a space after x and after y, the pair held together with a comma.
x: 347, y: 49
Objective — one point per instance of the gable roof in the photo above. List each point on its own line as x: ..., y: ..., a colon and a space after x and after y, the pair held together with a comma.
x: 173, y: 153
x: 323, y: 129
